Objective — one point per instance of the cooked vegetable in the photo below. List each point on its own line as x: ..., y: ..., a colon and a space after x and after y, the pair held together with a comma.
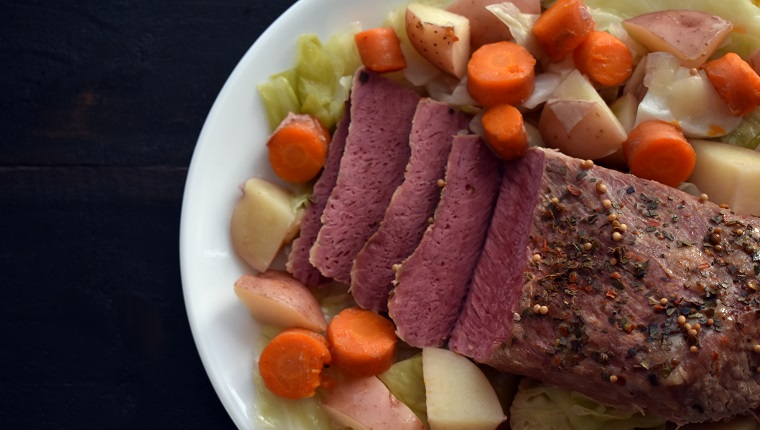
x: 504, y: 131
x: 291, y: 364
x: 728, y: 174
x: 747, y: 134
x: 578, y: 122
x: 736, y: 82
x: 276, y: 298
x: 263, y: 220
x: 604, y: 59
x: 489, y: 28
x: 380, y: 50
x: 317, y: 85
x: 501, y: 72
x: 366, y: 404
x: 684, y: 97
x: 659, y: 151
x: 404, y: 380
x: 692, y: 36
x: 440, y: 36
x: 459, y: 397
x: 298, y: 148
x: 538, y: 406
x: 562, y: 27
x: 362, y: 342
x: 280, y: 99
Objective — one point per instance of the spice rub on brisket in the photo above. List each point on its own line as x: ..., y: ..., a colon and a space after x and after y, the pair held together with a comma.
x: 432, y: 283
x: 372, y: 166
x: 433, y: 128
x: 298, y: 259
x: 628, y: 291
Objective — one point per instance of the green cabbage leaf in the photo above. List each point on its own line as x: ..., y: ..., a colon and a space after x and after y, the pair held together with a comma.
x: 538, y: 406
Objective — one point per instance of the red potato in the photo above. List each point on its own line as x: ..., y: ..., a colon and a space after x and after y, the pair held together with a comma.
x: 276, y: 298
x: 692, y: 36
x: 366, y: 404
x: 578, y: 122
x: 439, y: 36
x: 489, y: 28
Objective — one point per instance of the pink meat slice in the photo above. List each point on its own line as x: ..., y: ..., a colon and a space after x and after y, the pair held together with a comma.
x: 433, y: 128
x: 298, y: 259
x: 432, y: 283
x: 377, y: 150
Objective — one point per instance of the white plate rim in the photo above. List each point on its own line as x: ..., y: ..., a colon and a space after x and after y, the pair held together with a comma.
x: 230, y: 149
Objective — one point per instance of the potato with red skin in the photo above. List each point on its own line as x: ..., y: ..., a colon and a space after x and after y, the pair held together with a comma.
x: 439, y: 36
x: 489, y: 28
x: 691, y: 35
x: 276, y: 298
x: 367, y: 404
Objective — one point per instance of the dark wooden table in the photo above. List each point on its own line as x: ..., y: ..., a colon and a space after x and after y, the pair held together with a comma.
x: 101, y: 103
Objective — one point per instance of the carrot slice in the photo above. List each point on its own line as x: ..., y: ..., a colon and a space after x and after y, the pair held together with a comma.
x: 659, y: 151
x: 736, y: 82
x: 500, y: 72
x: 380, y: 50
x: 362, y: 342
x: 298, y: 148
x: 291, y: 364
x: 562, y: 27
x: 505, y: 131
x: 604, y: 59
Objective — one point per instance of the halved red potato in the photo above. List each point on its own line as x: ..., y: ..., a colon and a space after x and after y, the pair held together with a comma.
x: 439, y: 36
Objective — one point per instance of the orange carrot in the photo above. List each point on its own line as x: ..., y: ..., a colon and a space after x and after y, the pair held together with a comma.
x: 505, y: 131
x: 604, y: 59
x: 291, y: 364
x: 500, y: 72
x: 736, y: 82
x: 562, y: 27
x: 298, y: 148
x: 659, y: 151
x: 380, y: 50
x: 362, y: 342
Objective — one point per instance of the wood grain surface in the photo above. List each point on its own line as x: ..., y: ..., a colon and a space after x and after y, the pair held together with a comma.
x: 101, y: 103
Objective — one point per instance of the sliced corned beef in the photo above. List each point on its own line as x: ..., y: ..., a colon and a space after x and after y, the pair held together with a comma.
x: 432, y: 283
x: 412, y: 204
x: 589, y: 278
x: 377, y: 149
x: 298, y: 260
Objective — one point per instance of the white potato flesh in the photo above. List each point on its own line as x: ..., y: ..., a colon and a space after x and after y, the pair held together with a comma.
x: 367, y: 404
x: 685, y: 97
x: 439, y: 36
x: 459, y: 396
x: 577, y: 121
x: 263, y: 220
x: 276, y: 298
x: 728, y: 174
x: 692, y: 36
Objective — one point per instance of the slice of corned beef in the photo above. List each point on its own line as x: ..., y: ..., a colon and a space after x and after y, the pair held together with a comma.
x: 433, y: 128
x: 589, y: 278
x: 432, y: 283
x: 377, y: 149
x: 298, y: 260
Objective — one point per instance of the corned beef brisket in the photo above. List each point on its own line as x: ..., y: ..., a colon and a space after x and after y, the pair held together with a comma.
x: 433, y: 128
x: 632, y: 293
x: 298, y: 260
x: 431, y: 284
x: 377, y: 150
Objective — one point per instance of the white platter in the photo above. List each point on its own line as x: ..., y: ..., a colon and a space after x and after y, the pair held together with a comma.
x: 231, y: 149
